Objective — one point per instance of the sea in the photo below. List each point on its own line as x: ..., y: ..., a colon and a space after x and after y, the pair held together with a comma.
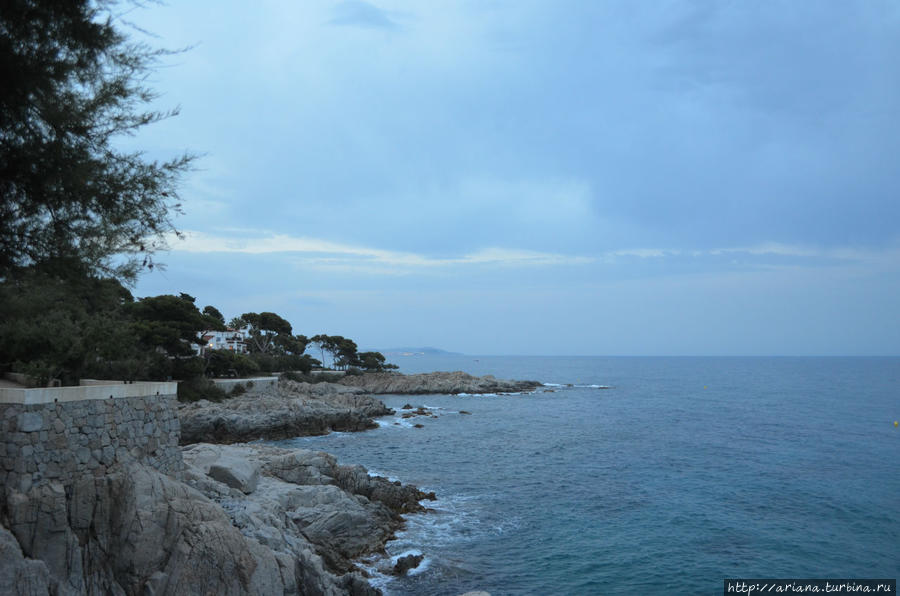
x: 637, y: 475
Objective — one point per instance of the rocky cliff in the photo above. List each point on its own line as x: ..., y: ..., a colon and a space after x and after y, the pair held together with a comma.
x: 246, y: 520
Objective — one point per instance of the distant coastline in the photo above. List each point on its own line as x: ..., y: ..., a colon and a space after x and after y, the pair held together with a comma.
x: 421, y: 351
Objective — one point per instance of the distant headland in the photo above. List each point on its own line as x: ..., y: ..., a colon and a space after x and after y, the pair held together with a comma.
x: 422, y: 351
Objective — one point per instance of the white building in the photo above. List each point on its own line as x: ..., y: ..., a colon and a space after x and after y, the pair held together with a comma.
x: 230, y: 339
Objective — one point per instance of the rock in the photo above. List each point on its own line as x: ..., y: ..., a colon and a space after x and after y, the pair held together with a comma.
x: 465, y: 412
x: 134, y: 530
x: 418, y: 426
x: 31, y: 421
x: 407, y: 407
x: 286, y: 413
x: 18, y: 574
x: 341, y: 511
x: 305, y: 467
x: 406, y: 563
x: 236, y: 473
x: 436, y: 382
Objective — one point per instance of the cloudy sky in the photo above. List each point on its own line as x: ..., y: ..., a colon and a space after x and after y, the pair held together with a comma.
x: 540, y: 177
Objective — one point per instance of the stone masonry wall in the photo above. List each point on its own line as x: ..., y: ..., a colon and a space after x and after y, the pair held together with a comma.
x: 61, y: 442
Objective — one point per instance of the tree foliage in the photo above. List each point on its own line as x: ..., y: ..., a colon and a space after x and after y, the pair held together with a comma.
x: 216, y: 318
x: 344, y: 353
x: 373, y: 361
x: 170, y: 323
x: 267, y: 331
x: 72, y: 83
x: 56, y: 321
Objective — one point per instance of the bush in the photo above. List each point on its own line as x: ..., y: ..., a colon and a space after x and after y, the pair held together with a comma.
x: 188, y: 368
x: 238, y: 389
x: 152, y: 366
x: 244, y: 366
x: 293, y: 376
x: 199, y: 388
x: 264, y: 362
x: 354, y: 372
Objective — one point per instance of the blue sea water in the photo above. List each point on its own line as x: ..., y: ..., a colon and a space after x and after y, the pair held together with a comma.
x: 684, y: 472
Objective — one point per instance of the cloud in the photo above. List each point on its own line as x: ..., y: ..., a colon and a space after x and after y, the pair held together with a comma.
x: 356, y: 13
x: 324, y: 253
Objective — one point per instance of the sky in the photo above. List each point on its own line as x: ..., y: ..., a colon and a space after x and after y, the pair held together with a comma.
x: 539, y: 177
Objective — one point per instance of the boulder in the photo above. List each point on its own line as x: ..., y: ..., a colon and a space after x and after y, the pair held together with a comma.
x: 406, y: 563
x: 236, y: 473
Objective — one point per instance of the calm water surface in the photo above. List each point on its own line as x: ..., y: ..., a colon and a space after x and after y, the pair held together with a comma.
x: 684, y: 472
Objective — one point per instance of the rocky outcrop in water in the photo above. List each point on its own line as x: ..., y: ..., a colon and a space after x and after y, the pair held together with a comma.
x: 304, y: 497
x: 293, y: 410
x: 302, y: 409
x: 436, y: 382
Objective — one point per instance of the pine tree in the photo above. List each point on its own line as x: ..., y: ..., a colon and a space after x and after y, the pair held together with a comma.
x: 71, y: 83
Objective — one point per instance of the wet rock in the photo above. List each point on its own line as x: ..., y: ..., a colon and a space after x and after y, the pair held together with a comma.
x: 406, y: 563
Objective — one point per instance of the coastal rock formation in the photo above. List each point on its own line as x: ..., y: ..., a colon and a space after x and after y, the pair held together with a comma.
x: 293, y: 410
x: 406, y: 563
x: 19, y: 575
x: 301, y: 409
x: 135, y: 530
x: 305, y: 498
x: 96, y: 497
x: 436, y: 382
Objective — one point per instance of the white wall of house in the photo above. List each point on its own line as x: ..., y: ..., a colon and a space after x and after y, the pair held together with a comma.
x: 230, y: 339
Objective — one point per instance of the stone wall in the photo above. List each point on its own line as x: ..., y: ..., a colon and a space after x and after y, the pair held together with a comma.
x: 63, y: 441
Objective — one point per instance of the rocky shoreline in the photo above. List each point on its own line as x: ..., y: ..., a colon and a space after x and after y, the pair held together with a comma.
x: 303, y: 409
x: 292, y: 410
x: 235, y: 518
x: 452, y: 383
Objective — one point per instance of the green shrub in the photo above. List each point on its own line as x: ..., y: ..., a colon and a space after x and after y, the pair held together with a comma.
x: 238, y: 389
x: 187, y: 368
x: 293, y: 376
x: 199, y: 388
x: 244, y: 365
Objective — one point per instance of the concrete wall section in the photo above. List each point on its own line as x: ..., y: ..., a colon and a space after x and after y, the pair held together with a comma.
x: 64, y: 440
x: 51, y: 395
